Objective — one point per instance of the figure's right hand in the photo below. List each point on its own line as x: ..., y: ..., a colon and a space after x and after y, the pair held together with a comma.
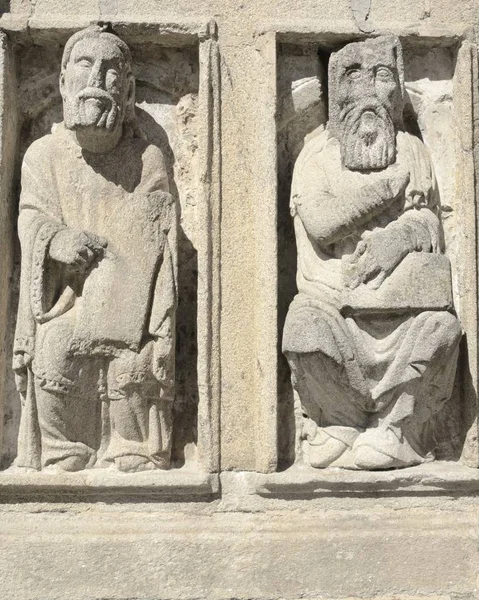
x: 78, y: 249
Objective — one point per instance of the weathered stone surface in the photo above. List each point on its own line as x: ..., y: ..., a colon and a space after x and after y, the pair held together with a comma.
x: 372, y: 353
x: 94, y: 344
x: 143, y: 552
x: 302, y: 532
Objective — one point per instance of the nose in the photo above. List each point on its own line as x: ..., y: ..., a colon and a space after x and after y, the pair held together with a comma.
x: 368, y: 83
x: 96, y: 76
x: 364, y: 87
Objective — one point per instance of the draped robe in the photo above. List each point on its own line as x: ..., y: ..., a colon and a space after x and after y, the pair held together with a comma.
x: 350, y: 369
x: 119, y: 316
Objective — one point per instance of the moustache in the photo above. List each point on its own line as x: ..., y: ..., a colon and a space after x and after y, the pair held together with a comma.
x: 351, y: 114
x: 95, y: 93
x: 110, y: 110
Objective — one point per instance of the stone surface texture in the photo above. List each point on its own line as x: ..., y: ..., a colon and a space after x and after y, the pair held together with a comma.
x: 372, y: 351
x: 229, y: 95
x: 94, y: 344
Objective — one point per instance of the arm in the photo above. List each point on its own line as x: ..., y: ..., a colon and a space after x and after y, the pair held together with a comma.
x: 417, y: 229
x: 328, y: 218
x: 155, y: 181
x: 39, y: 220
x: 421, y: 228
x: 162, y: 323
x: 51, y: 249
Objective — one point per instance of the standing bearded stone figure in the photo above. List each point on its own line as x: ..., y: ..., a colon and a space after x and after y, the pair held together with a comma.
x: 371, y: 338
x: 94, y: 347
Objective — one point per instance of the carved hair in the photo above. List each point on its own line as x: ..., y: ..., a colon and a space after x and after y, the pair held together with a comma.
x: 95, y: 31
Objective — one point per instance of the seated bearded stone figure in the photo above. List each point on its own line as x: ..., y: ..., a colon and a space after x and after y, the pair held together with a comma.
x: 370, y: 338
x: 94, y: 347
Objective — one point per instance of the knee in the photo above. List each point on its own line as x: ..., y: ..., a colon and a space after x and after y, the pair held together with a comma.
x: 52, y: 346
x: 308, y: 330
x: 443, y: 326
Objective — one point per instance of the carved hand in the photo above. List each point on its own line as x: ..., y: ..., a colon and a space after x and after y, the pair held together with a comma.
x: 77, y: 248
x: 377, y: 256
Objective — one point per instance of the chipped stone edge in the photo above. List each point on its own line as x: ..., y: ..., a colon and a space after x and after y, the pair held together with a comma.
x: 108, y: 485
x: 178, y: 33
x: 344, y: 30
x: 435, y: 477
x: 329, y: 33
x: 168, y: 31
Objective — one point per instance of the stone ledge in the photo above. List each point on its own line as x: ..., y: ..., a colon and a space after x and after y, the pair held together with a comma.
x: 107, y: 485
x: 434, y: 477
x: 377, y: 554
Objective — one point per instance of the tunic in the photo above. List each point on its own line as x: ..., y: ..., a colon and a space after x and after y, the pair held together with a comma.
x: 122, y: 310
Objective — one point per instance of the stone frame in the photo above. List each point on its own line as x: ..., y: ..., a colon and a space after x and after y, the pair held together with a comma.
x: 298, y: 481
x: 185, y: 483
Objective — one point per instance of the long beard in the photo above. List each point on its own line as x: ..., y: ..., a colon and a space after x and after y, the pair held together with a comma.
x: 367, y: 137
x: 93, y: 109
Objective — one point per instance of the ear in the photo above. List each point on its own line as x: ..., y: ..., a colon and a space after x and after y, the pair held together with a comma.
x: 130, y: 96
x: 62, y: 84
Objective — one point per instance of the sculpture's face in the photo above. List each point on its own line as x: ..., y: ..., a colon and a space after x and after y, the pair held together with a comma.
x: 95, y: 86
x: 368, y: 103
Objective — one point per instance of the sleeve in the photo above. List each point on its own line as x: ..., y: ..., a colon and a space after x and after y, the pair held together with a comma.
x: 39, y: 220
x: 329, y: 217
x: 421, y: 219
x: 162, y: 318
x: 163, y: 307
x: 155, y: 173
x: 162, y: 324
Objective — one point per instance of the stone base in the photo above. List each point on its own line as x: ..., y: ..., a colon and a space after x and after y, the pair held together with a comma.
x: 108, y: 485
x: 243, y: 546
x: 433, y: 477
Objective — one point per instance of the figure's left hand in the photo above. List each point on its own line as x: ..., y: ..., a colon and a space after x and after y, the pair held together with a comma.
x: 376, y: 257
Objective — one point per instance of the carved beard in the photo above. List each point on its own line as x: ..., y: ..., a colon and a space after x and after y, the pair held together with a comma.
x: 92, y: 108
x: 367, y: 136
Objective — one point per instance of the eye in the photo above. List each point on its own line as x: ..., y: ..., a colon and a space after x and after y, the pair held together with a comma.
x: 112, y: 76
x: 84, y: 63
x: 353, y: 73
x: 384, y: 73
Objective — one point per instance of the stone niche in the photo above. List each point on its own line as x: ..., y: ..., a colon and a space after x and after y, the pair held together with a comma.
x: 438, y: 111
x: 176, y: 74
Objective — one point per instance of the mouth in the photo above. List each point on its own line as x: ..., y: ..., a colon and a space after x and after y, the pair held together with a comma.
x: 368, y: 114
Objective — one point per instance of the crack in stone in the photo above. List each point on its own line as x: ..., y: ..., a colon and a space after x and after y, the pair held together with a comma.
x: 361, y: 9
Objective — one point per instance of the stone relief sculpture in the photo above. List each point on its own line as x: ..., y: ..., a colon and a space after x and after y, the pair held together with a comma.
x: 94, y: 347
x: 371, y: 337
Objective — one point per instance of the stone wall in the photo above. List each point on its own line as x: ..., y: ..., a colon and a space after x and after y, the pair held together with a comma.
x: 231, y: 91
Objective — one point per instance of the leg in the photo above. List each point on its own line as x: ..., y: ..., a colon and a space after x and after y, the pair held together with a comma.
x: 141, y: 417
x: 335, y: 413
x: 417, y: 385
x: 327, y: 378
x: 141, y: 432
x: 68, y: 427
x: 66, y: 398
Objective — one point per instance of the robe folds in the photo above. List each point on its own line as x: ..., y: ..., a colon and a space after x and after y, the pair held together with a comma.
x: 120, y: 314
x: 350, y: 367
